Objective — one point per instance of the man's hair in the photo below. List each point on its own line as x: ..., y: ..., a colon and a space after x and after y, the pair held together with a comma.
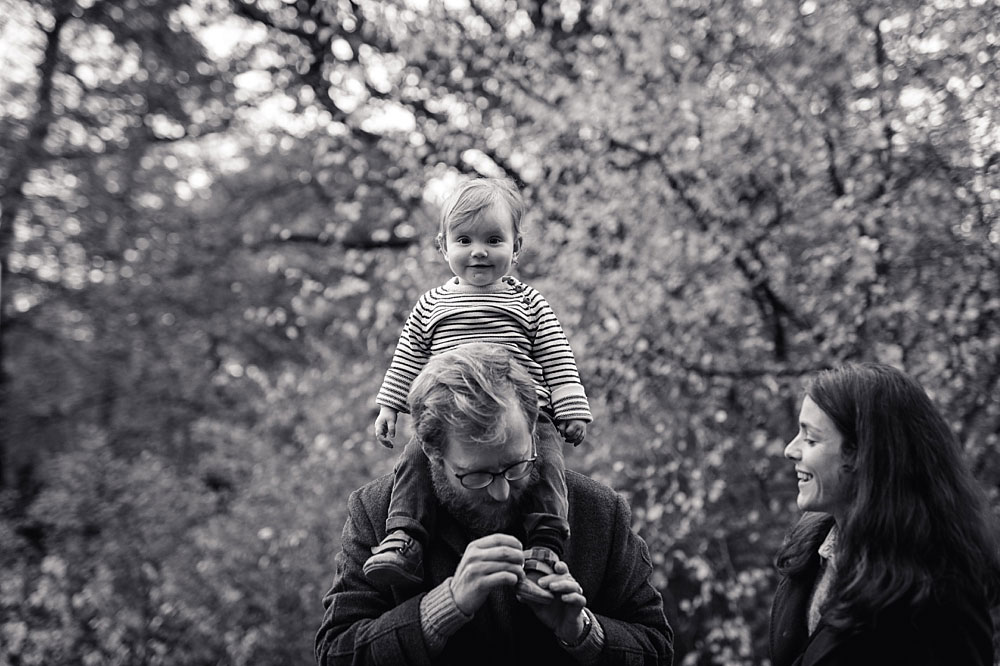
x: 475, y: 196
x: 468, y: 391
x: 917, y: 523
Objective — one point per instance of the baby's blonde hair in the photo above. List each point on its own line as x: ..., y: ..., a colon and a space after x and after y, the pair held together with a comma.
x: 476, y: 195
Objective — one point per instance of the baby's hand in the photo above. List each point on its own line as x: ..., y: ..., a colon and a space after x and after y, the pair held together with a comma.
x: 385, y: 426
x: 573, y: 431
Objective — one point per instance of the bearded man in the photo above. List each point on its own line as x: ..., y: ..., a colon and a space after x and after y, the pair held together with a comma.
x: 474, y: 410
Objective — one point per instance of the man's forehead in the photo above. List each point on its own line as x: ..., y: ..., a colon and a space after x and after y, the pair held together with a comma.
x: 470, y: 452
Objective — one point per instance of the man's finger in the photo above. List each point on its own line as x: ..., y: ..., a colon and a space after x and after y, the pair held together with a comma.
x: 574, y: 599
x: 471, y: 585
x: 560, y: 583
x: 500, y: 578
x: 476, y: 567
x: 496, y: 539
x: 501, y: 547
x: 569, y: 591
x: 511, y: 554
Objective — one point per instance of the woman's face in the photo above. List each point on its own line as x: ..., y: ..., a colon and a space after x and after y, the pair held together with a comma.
x: 816, y: 452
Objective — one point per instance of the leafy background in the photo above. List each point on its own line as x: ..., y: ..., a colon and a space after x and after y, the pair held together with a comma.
x: 216, y: 215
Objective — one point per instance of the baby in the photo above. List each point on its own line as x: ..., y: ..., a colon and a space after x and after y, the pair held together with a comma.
x: 480, y: 238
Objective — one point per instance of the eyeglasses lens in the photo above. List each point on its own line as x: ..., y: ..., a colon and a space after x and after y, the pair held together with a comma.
x: 516, y: 472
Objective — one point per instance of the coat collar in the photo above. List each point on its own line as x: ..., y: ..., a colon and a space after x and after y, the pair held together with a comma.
x: 789, y: 632
x: 821, y: 643
x: 792, y: 644
x: 828, y: 549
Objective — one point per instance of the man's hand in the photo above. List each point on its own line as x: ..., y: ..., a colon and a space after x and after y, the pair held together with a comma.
x: 385, y: 426
x: 573, y: 431
x: 564, y: 614
x: 488, y: 563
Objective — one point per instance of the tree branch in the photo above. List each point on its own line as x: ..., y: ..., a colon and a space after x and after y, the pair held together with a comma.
x: 772, y: 308
x: 28, y: 150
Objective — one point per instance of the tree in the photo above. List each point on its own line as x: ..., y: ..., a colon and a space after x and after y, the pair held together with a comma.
x: 217, y: 215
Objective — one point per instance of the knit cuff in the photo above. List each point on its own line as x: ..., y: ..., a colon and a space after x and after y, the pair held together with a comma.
x: 387, y: 397
x: 588, y: 651
x: 440, y: 616
x: 570, y: 402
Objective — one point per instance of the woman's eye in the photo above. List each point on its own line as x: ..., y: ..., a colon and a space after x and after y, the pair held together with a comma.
x: 806, y: 439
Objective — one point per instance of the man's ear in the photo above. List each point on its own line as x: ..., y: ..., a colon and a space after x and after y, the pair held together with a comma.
x: 431, y: 455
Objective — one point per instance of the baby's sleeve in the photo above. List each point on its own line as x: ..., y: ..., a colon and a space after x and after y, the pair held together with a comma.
x: 408, y: 360
x: 552, y: 351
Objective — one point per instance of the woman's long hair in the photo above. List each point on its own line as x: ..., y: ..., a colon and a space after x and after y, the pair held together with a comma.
x: 918, y: 525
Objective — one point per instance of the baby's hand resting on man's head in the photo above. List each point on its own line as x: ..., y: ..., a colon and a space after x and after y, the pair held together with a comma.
x: 573, y: 431
x: 385, y: 426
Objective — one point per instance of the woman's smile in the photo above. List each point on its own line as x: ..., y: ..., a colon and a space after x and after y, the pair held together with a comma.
x: 816, y: 452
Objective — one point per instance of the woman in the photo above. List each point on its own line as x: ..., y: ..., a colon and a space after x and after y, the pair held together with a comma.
x: 894, y: 561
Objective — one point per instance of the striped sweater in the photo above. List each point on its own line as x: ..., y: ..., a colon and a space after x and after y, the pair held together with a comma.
x: 507, y: 312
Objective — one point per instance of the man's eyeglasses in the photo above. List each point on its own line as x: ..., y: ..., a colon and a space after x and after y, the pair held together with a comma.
x: 515, y: 472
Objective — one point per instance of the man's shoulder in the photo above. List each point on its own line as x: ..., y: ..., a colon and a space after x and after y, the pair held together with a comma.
x: 373, y: 495
x: 586, y: 484
x: 585, y: 492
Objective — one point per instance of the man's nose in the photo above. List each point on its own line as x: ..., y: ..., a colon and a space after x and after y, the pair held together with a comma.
x: 500, y: 489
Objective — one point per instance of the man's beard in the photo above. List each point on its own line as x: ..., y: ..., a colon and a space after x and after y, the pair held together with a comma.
x: 481, y: 515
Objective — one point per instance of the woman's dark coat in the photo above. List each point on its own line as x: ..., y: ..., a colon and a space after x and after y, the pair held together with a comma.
x: 955, y: 630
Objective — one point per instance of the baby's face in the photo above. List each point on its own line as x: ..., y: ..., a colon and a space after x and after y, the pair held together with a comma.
x: 481, y: 251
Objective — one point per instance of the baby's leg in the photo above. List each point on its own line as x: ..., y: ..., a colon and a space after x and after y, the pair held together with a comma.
x: 546, y: 522
x: 546, y: 525
x: 411, y: 507
x: 398, y: 559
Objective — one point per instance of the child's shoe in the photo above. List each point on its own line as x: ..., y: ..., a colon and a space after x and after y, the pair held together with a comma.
x: 538, y: 562
x: 398, y: 560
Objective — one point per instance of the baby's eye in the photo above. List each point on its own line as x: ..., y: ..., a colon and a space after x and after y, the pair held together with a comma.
x: 496, y: 240
x: 462, y: 240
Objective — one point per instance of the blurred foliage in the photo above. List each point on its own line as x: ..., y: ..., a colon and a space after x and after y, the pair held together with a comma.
x: 216, y: 215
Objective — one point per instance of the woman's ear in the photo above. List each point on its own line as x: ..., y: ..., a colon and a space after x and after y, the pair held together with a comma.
x: 849, y: 459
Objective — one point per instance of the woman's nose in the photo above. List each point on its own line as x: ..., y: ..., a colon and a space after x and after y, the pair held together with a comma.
x: 792, y: 449
x: 500, y: 489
